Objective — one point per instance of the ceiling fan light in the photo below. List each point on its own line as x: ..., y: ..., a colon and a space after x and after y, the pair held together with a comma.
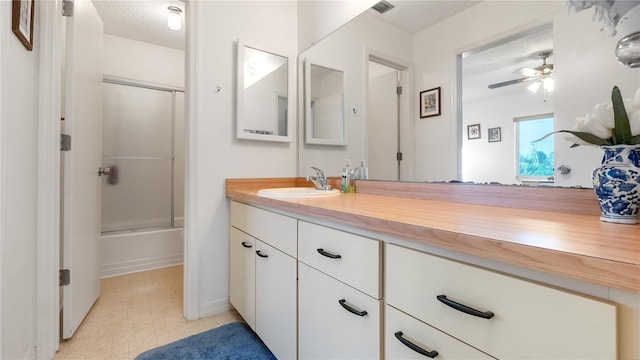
x: 534, y: 86
x: 174, y: 19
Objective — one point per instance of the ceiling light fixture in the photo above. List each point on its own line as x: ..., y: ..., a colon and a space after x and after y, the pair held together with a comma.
x: 174, y: 19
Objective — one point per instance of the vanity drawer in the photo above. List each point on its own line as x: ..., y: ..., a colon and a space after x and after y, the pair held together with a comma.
x: 274, y: 229
x: 352, y: 259
x: 401, y: 327
x: 527, y: 320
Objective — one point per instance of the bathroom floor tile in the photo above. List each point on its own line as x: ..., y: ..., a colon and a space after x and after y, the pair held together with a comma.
x: 135, y: 313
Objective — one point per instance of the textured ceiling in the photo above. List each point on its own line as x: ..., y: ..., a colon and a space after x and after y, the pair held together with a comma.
x: 142, y: 20
x: 413, y: 16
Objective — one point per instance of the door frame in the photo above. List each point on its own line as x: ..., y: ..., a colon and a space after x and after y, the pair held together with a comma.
x: 51, y: 47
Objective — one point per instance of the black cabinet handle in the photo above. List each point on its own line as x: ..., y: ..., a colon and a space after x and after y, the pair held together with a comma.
x: 343, y: 302
x: 259, y: 253
x: 464, y: 308
x: 247, y: 245
x: 328, y: 254
x: 415, y: 347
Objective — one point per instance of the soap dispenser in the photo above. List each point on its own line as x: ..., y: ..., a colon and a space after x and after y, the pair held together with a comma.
x: 345, y: 176
x: 364, y: 171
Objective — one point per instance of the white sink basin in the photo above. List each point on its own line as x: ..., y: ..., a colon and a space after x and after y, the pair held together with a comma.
x: 296, y: 192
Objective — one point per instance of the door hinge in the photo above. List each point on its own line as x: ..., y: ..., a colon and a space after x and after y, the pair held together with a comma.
x: 399, y: 90
x: 399, y: 156
x: 67, y: 8
x: 65, y: 142
x: 65, y: 277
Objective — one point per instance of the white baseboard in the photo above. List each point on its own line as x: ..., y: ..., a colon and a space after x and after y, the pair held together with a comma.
x: 133, y: 266
x: 214, y: 307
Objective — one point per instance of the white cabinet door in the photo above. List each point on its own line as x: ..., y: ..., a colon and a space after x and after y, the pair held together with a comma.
x: 327, y: 329
x: 242, y: 291
x: 409, y: 338
x: 276, y: 300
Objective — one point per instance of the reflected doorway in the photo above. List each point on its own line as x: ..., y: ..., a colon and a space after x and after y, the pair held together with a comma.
x: 383, y: 141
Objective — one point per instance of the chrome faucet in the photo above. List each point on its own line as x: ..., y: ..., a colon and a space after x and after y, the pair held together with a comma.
x: 320, y: 180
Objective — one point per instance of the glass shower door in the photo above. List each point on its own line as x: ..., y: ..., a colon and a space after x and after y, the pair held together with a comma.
x: 138, y: 147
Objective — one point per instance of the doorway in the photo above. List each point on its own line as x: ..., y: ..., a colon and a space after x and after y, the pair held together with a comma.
x: 126, y: 59
x: 384, y: 117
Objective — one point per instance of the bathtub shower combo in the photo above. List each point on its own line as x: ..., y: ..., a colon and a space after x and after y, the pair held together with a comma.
x: 143, y: 190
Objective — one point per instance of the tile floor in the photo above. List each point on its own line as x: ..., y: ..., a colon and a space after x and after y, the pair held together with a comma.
x: 135, y: 313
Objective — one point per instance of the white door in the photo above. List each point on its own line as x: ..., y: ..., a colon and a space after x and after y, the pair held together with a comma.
x: 382, y: 123
x: 82, y: 197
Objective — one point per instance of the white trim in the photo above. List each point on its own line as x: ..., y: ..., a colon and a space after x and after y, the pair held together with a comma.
x: 215, y: 307
x: 48, y: 179
x: 3, y: 41
x: 191, y: 234
x: 138, y: 265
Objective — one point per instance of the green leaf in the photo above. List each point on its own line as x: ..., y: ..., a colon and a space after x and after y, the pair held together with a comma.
x: 622, y: 129
x: 584, y: 136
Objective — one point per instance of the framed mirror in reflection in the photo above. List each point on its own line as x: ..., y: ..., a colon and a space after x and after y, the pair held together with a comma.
x: 584, y: 71
x: 324, y: 105
x: 263, y: 99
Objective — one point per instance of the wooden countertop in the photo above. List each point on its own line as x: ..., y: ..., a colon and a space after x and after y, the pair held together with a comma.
x: 570, y: 243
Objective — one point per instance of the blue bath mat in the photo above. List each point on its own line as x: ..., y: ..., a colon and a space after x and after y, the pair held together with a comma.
x: 228, y: 342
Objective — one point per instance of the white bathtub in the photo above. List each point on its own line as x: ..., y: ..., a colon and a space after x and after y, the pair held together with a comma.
x: 140, y: 250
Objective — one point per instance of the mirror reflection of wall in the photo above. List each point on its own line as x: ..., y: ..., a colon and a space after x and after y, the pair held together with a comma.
x: 585, y: 70
x: 498, y: 83
x: 262, y: 95
x: 325, y: 106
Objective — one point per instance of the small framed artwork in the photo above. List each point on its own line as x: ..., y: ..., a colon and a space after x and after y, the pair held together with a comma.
x: 430, y: 103
x: 473, y: 131
x: 495, y: 134
x: 22, y: 21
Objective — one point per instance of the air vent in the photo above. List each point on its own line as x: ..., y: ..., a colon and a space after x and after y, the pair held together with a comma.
x: 382, y: 7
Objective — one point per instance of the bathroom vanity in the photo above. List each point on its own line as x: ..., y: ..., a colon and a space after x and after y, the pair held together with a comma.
x: 420, y: 270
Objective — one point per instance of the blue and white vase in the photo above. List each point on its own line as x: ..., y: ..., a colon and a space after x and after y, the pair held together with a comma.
x: 617, y: 184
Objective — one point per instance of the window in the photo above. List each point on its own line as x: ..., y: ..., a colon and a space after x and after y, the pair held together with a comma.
x: 534, y: 160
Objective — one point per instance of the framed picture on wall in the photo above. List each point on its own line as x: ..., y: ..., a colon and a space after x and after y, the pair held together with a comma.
x: 22, y: 21
x: 495, y: 134
x: 473, y: 131
x: 430, y: 103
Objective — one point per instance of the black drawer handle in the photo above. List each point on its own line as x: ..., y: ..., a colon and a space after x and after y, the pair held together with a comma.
x: 343, y: 302
x: 247, y: 245
x: 261, y: 254
x: 328, y: 254
x: 464, y: 308
x: 415, y: 347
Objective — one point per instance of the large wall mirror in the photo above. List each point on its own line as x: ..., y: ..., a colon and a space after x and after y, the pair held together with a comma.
x: 324, y: 105
x: 264, y: 86
x: 463, y: 47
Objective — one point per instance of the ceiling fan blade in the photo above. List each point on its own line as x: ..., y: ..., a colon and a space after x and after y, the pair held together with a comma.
x: 510, y: 82
x: 527, y: 72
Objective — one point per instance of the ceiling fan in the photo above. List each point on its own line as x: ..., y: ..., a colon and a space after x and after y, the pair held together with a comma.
x: 542, y: 76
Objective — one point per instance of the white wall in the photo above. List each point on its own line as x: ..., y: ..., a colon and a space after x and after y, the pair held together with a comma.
x: 143, y: 61
x: 346, y: 49
x: 218, y: 154
x: 18, y: 146
x: 317, y: 19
